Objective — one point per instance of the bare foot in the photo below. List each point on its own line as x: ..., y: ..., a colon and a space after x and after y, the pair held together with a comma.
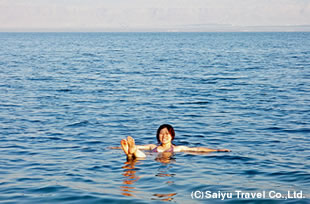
x: 124, y: 145
x: 131, y: 145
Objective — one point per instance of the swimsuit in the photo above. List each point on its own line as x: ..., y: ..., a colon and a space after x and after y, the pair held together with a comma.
x: 168, y: 150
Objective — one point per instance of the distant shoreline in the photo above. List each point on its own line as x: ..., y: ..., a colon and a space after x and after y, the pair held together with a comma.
x: 187, y: 28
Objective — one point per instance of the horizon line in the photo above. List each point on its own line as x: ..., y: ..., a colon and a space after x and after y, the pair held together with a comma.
x: 180, y: 28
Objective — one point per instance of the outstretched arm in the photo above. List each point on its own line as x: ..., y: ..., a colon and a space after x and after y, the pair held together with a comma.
x: 198, y: 149
x: 146, y: 147
x: 140, y: 147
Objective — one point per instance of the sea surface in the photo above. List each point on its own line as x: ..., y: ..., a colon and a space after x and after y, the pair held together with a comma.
x: 66, y: 98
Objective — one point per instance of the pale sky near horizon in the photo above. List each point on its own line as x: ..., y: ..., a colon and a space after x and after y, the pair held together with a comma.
x: 100, y: 14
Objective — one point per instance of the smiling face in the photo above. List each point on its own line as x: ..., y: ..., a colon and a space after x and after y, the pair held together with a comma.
x: 164, y: 136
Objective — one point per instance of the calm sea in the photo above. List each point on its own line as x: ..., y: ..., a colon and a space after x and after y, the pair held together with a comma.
x: 65, y: 98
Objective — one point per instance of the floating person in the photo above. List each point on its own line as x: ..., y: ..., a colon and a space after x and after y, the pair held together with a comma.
x: 165, y: 135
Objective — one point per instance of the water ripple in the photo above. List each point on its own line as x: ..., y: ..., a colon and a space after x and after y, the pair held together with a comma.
x: 65, y: 98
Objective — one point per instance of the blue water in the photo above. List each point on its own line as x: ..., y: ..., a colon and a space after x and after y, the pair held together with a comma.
x: 65, y: 98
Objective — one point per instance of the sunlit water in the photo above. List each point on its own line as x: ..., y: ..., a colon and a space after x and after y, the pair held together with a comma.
x: 65, y: 98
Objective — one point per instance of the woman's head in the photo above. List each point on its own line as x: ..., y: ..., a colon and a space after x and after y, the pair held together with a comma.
x: 164, y: 130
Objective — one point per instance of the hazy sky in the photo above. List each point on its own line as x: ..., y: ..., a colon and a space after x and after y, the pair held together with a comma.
x: 149, y: 14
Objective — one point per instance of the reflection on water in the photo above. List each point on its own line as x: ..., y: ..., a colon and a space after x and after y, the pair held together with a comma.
x: 130, y: 176
x: 164, y: 197
x: 165, y: 157
x: 64, y: 97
